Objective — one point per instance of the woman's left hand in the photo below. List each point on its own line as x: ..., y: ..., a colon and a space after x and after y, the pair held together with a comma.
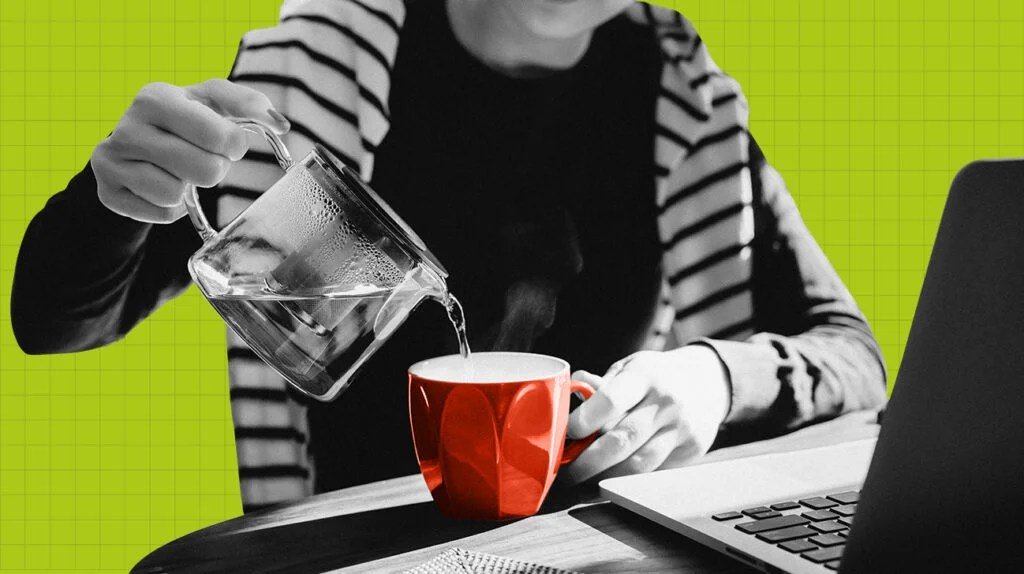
x: 653, y: 410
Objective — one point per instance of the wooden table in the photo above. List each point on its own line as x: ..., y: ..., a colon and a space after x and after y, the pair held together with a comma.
x: 392, y: 525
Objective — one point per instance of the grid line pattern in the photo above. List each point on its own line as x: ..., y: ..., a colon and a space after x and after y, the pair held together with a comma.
x: 106, y: 454
x: 867, y: 108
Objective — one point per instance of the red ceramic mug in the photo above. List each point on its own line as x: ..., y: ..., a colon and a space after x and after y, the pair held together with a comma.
x: 490, y: 433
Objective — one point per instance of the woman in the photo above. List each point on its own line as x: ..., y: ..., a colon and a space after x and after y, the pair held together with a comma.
x: 583, y: 169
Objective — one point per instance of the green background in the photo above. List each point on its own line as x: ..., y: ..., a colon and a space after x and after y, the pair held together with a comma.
x: 867, y: 108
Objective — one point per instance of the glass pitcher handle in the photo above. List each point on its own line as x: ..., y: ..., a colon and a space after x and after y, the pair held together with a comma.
x: 284, y: 159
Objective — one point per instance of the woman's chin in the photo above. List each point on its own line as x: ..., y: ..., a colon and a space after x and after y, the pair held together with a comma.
x: 556, y: 19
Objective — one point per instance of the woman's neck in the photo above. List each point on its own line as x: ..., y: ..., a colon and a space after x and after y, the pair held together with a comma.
x: 492, y: 35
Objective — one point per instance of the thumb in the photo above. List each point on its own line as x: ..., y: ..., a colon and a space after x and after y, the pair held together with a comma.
x: 234, y: 100
x: 575, y: 429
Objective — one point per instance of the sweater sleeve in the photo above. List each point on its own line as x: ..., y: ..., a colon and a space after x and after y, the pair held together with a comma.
x: 85, y: 275
x: 814, y: 355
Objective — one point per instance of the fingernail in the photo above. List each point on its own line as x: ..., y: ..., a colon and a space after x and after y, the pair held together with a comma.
x: 280, y: 118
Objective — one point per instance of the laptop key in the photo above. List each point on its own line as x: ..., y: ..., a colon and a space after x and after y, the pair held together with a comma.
x: 850, y: 497
x: 824, y: 554
x: 817, y: 515
x: 788, y: 505
x: 786, y: 534
x: 845, y: 510
x: 817, y: 503
x: 798, y: 546
x: 767, y: 524
x: 847, y: 520
x: 767, y: 514
x: 827, y: 539
x: 756, y: 510
x: 830, y: 526
x: 726, y: 516
x: 833, y: 565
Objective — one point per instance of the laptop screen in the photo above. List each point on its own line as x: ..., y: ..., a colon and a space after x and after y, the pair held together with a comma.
x: 945, y: 490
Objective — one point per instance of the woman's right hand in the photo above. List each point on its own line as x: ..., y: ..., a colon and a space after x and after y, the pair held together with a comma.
x: 173, y: 136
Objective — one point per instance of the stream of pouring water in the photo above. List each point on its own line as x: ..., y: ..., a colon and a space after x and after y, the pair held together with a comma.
x: 458, y: 320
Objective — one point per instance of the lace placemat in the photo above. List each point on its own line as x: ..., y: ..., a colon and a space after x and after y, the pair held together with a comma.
x: 462, y: 561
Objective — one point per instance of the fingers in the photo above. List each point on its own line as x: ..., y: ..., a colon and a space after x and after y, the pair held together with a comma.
x: 684, y: 453
x: 589, y: 378
x: 612, y: 400
x: 616, y: 445
x: 180, y: 158
x: 617, y: 366
x: 138, y: 190
x: 173, y: 136
x: 596, y: 382
x: 123, y: 202
x: 651, y: 456
x: 234, y: 100
x: 167, y: 107
x: 151, y: 183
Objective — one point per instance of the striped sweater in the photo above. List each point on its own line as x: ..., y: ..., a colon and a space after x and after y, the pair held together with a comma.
x: 327, y: 67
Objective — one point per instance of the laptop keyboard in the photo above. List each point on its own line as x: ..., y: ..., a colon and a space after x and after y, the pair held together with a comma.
x: 814, y: 528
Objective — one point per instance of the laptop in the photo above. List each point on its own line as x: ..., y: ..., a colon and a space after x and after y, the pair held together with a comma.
x: 943, y: 487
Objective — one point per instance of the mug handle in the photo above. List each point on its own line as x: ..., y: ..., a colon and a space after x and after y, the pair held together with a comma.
x: 576, y: 447
x: 284, y: 159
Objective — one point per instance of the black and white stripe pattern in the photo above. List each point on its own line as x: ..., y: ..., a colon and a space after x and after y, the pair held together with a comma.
x: 328, y: 66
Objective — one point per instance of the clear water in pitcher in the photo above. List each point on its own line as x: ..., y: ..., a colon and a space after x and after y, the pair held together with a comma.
x: 317, y: 341
x: 311, y: 291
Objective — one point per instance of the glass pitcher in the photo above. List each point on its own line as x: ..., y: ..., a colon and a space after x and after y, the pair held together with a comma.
x: 317, y: 273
